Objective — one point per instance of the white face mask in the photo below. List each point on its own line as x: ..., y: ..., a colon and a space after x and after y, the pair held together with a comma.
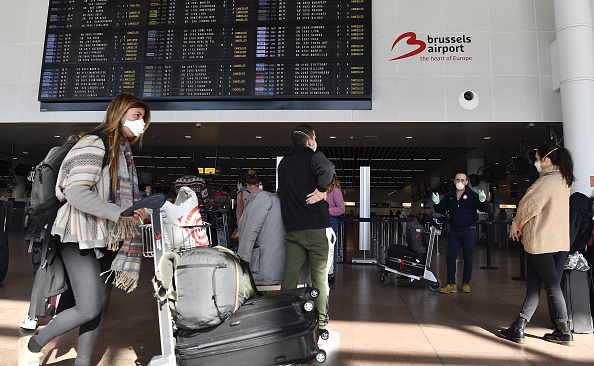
x: 315, y: 147
x: 460, y: 186
x: 136, y: 127
x: 538, y: 167
x: 260, y: 186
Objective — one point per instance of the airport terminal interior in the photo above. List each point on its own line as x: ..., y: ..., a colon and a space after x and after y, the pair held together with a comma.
x: 416, y: 90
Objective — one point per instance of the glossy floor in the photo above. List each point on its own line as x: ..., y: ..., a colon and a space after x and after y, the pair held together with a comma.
x: 392, y: 324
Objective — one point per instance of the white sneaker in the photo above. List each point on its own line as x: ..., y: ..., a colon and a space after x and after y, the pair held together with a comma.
x: 29, y: 324
x: 26, y: 357
x: 332, y: 338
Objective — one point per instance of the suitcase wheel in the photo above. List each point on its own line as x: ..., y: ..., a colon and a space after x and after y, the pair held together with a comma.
x: 321, y: 356
x: 325, y: 334
x: 435, y: 286
x: 314, y: 293
x: 308, y: 306
x: 383, y: 277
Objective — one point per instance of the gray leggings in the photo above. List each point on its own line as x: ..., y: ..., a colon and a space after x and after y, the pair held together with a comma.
x: 91, y: 295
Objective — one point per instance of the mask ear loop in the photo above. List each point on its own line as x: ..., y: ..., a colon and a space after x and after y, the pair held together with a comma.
x: 547, y: 154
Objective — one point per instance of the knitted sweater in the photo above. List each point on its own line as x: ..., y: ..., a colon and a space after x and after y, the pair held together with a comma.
x: 543, y: 214
x: 87, y: 217
x: 335, y: 202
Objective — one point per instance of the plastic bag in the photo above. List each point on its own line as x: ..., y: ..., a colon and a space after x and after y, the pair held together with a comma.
x: 183, y: 226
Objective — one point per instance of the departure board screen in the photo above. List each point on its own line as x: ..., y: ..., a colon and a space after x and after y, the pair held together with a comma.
x: 168, y: 51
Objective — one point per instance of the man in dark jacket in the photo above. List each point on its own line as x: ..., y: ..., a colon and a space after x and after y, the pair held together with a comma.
x: 462, y: 204
x: 304, y: 176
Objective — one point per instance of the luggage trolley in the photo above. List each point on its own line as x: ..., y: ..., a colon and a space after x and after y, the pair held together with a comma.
x: 156, y: 241
x: 414, y: 266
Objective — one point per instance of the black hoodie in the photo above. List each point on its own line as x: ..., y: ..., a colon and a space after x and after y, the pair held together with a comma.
x: 299, y: 173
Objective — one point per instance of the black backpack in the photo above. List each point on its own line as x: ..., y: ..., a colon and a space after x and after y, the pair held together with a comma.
x: 44, y: 203
x: 414, y: 237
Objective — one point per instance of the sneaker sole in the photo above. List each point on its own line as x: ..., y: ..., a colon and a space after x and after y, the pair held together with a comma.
x: 465, y: 292
x: 448, y: 292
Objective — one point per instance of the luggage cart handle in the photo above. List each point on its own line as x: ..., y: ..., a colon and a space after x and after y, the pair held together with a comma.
x: 152, y: 201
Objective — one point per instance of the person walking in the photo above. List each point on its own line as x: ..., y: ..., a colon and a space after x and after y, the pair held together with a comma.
x: 94, y: 244
x: 462, y: 203
x: 304, y: 176
x: 542, y: 225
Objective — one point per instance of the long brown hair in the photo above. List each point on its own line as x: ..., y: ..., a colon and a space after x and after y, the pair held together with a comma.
x: 335, y: 183
x: 110, y: 127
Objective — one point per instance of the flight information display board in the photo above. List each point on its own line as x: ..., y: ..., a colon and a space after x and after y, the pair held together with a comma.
x: 177, y: 51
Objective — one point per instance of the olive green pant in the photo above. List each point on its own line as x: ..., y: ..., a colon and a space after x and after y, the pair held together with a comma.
x: 313, y: 245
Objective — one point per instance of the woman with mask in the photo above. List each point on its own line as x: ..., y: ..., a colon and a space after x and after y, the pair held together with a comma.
x: 96, y: 244
x: 542, y: 222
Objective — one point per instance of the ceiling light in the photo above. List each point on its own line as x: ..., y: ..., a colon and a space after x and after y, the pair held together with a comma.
x: 188, y: 136
x: 332, y: 137
x: 487, y: 137
x: 258, y: 137
x: 57, y: 136
x: 409, y: 137
x: 25, y: 152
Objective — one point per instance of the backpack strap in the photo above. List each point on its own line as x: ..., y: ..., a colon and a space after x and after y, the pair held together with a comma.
x: 105, y: 140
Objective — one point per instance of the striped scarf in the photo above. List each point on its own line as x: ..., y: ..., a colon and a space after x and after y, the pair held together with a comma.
x: 126, y: 265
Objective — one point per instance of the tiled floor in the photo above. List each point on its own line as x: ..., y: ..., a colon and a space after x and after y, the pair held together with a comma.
x: 393, y: 324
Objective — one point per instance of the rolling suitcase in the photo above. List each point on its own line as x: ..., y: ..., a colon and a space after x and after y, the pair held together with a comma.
x: 277, y: 329
x: 576, y: 290
x: 405, y: 260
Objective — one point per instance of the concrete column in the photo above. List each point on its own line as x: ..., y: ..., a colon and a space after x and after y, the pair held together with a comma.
x: 575, y: 44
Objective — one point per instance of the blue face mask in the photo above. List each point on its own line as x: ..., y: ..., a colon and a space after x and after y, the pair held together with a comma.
x: 260, y: 186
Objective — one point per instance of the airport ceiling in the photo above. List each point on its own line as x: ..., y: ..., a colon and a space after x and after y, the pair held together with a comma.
x: 399, y: 154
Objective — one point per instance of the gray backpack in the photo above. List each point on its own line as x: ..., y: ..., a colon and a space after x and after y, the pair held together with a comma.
x: 203, y: 285
x: 44, y: 204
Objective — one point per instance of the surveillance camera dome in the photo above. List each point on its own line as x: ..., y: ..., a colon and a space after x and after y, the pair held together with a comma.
x: 198, y: 125
x: 468, y: 99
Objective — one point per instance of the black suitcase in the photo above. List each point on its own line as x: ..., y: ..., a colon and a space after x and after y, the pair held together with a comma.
x: 277, y: 329
x: 576, y: 290
x: 403, y: 259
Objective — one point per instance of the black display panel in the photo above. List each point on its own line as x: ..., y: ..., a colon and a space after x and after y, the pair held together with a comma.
x: 208, y: 54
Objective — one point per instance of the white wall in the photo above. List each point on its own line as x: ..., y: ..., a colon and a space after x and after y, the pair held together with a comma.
x: 510, y: 70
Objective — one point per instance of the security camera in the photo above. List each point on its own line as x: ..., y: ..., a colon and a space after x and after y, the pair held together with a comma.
x: 198, y: 125
x: 531, y: 125
x: 468, y: 95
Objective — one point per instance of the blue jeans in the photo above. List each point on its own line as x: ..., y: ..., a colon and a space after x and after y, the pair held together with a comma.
x: 464, y: 239
x: 334, y: 222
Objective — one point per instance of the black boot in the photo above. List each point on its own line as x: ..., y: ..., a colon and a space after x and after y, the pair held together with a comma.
x: 561, y: 335
x: 515, y: 332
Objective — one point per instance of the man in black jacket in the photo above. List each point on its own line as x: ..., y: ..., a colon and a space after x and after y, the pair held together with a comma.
x: 462, y: 204
x: 303, y: 178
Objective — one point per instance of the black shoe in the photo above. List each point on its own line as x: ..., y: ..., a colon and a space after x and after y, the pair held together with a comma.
x: 561, y: 335
x: 515, y: 332
x: 330, y: 279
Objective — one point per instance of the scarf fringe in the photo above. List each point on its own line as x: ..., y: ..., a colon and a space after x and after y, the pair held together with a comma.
x: 124, y: 228
x: 125, y: 281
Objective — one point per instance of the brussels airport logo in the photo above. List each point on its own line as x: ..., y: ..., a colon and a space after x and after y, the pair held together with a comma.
x: 438, y: 48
